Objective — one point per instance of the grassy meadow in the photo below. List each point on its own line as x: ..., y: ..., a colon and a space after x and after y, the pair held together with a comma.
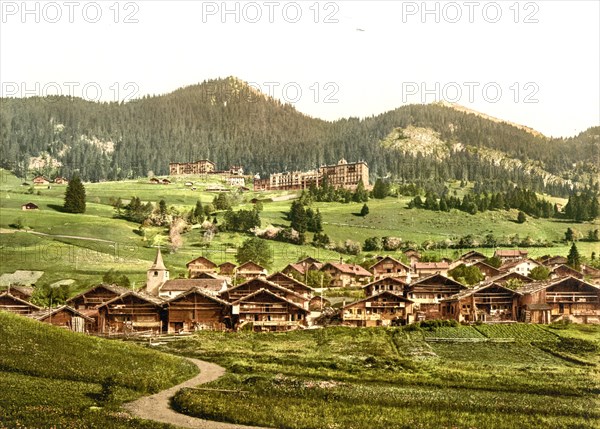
x: 536, y: 377
x: 55, y: 378
x: 83, y: 247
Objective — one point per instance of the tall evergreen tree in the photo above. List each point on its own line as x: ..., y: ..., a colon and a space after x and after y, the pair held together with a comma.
x: 573, y: 258
x: 75, y: 196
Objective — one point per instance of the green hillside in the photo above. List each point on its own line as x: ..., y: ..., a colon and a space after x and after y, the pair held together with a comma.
x: 52, y: 377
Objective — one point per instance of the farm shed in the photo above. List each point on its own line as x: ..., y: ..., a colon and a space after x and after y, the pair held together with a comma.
x: 196, y: 310
x: 65, y: 317
x: 130, y: 313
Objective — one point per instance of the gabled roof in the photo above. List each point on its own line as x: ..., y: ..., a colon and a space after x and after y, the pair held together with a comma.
x: 300, y: 267
x: 250, y: 266
x: 500, y: 277
x: 268, y: 292
x: 288, y: 278
x: 19, y: 300
x: 268, y: 283
x: 537, y: 286
x: 198, y: 291
x: 23, y: 290
x: 227, y: 263
x: 203, y: 260
x: 143, y: 296
x: 353, y: 269
x: 372, y: 297
x: 472, y: 254
x: 552, y: 260
x: 47, y: 312
x: 386, y: 280
x: 116, y: 289
x: 510, y: 253
x: 468, y: 292
x: 568, y: 269
x: 431, y: 266
x: 309, y: 260
x: 439, y: 278
x: 509, y: 265
x: 389, y: 258
x: 186, y: 284
x: 488, y: 266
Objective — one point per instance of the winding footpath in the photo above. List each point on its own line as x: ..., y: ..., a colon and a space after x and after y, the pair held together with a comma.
x: 156, y: 407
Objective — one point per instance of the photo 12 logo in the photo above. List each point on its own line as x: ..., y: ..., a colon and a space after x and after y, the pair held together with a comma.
x: 252, y: 12
x: 452, y: 12
x: 52, y: 12
x: 454, y: 92
x: 89, y: 91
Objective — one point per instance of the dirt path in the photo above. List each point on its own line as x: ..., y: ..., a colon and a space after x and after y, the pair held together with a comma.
x: 156, y: 407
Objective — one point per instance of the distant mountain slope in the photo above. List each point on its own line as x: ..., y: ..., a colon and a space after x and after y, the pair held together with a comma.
x: 228, y: 121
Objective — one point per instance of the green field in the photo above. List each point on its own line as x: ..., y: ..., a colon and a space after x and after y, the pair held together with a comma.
x: 391, y: 377
x: 53, y: 378
x: 116, y: 243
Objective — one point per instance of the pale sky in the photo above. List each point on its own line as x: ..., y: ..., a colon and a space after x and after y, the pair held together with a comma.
x: 533, y: 63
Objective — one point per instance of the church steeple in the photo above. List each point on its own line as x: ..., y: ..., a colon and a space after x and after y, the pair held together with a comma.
x: 156, y: 275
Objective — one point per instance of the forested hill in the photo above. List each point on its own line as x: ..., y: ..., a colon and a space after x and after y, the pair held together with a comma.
x: 230, y: 123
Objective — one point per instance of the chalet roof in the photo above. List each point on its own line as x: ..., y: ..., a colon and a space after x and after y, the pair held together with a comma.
x: 468, y: 292
x: 386, y: 279
x: 203, y: 260
x: 227, y: 263
x: 309, y: 260
x: 436, y: 279
x: 299, y: 266
x: 116, y: 289
x: 47, y: 312
x: 288, y: 278
x: 512, y: 264
x: 268, y: 292
x: 19, y: 300
x: 510, y: 253
x: 431, y: 266
x: 553, y: 260
x: 568, y: 269
x: 472, y: 254
x: 389, y: 258
x: 372, y: 297
x: 198, y: 291
x: 266, y: 283
x: 24, y: 290
x: 488, y: 266
x: 158, y: 261
x: 250, y: 267
x: 500, y: 277
x: 30, y: 206
x: 590, y: 271
x: 214, y: 285
x: 354, y: 269
x: 155, y: 300
x: 537, y: 286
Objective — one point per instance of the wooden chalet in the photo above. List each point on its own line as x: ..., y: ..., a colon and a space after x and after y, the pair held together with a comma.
x: 428, y: 293
x: 389, y: 267
x: 196, y: 310
x: 344, y: 275
x: 61, y: 180
x: 424, y: 269
x: 250, y: 270
x: 65, y: 317
x: 16, y: 305
x: 302, y: 267
x: 487, y: 303
x: 175, y: 287
x: 553, y: 261
x: 200, y: 265
x: 509, y: 255
x: 383, y: 309
x: 129, y: 313
x: 227, y: 269
x: 565, y: 271
x: 487, y: 270
x: 563, y: 299
x: 40, y: 180
x: 291, y: 284
x: 521, y: 266
x: 472, y: 257
x: 23, y: 292
x: 389, y: 284
x: 236, y: 293
x: 29, y: 207
x: 94, y: 297
x: 267, y: 311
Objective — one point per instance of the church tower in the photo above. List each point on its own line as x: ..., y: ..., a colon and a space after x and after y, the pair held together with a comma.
x: 156, y: 275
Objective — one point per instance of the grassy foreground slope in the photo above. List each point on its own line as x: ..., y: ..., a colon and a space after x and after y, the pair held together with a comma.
x: 396, y: 378
x: 54, y: 378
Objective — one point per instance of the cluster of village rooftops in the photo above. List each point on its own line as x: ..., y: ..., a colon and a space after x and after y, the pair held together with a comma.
x: 230, y: 297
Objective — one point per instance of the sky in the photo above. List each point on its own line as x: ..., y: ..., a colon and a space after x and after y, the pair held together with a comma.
x: 535, y: 63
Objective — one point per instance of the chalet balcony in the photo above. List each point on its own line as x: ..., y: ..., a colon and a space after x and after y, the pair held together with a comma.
x: 570, y: 297
x: 285, y: 323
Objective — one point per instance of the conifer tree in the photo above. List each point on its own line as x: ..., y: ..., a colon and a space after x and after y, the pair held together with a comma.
x: 573, y: 259
x: 75, y: 196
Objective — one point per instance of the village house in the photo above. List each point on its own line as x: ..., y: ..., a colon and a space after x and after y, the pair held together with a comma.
x: 565, y: 271
x: 471, y: 257
x: 487, y: 303
x: 390, y: 267
x: 424, y: 269
x: 175, y: 287
x: 65, y: 317
x: 429, y: 292
x: 249, y: 270
x: 267, y: 311
x: 196, y: 310
x: 95, y: 296
x: 29, y: 206
x: 227, y: 269
x: 346, y: 275
x: 200, y: 265
x: 301, y: 268
x: 291, y: 284
x: 204, y: 166
x: 553, y: 261
x: 487, y: 270
x: 522, y: 266
x: 389, y: 284
x: 16, y: 305
x: 562, y: 299
x: 40, y: 180
x: 131, y: 313
x: 510, y: 255
x: 60, y: 180
x: 383, y: 309
x: 236, y: 293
